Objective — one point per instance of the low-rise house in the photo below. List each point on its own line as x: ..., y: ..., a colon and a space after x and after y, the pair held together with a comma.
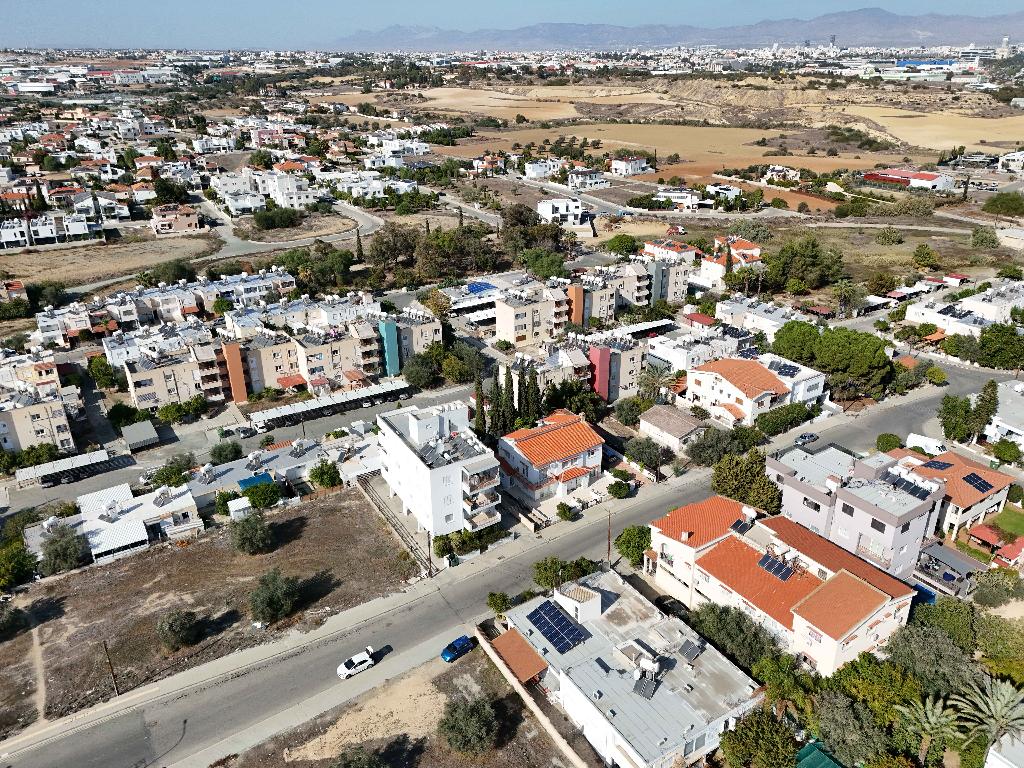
x: 551, y: 460
x: 727, y: 191
x: 541, y: 169
x: 629, y: 166
x: 644, y: 689
x: 671, y: 427
x: 174, y: 220
x: 561, y: 211
x: 584, y: 178
x: 445, y: 477
x: 681, y: 197
x: 921, y: 180
x: 244, y: 203
x: 13, y: 290
x: 825, y: 605
x: 781, y: 173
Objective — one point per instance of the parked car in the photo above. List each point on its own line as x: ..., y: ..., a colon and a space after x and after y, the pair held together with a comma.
x: 806, y: 438
x: 246, y: 432
x: 457, y: 648
x: 366, y: 404
x: 669, y: 605
x: 356, y: 664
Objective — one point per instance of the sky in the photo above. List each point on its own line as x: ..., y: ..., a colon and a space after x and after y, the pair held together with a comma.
x: 285, y: 24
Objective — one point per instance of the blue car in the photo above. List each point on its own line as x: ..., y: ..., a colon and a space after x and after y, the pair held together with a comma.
x: 457, y: 648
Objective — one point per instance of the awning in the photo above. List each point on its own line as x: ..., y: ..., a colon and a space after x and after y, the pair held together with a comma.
x: 319, y: 381
x: 519, y: 656
x: 355, y: 375
x: 939, y: 335
x: 190, y: 310
x: 294, y: 380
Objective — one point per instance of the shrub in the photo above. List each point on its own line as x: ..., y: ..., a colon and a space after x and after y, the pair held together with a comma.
x: 629, y: 409
x: 887, y: 441
x: 226, y: 451
x: 1005, y: 204
x: 63, y: 550
x: 633, y: 542
x: 17, y: 564
x: 325, y: 474
x: 565, y: 512
x: 278, y: 218
x: 274, y: 597
x: 178, y: 629
x: 504, y: 345
x: 1015, y: 494
x: 358, y: 758
x: 11, y: 620
x: 936, y: 375
x: 264, y: 495
x: 221, y: 502
x: 700, y: 413
x: 984, y: 237
x: 267, y: 440
x: 889, y: 236
x: 618, y: 490
x: 644, y: 452
x: 622, y: 474
x: 783, y: 419
x: 251, y: 534
x: 469, y: 726
x: 499, y: 602
x: 1006, y: 451
x: 443, y: 546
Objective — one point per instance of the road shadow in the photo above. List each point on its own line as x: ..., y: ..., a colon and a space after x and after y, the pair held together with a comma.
x: 379, y: 654
x: 286, y: 531
x: 316, y: 588
x: 403, y: 752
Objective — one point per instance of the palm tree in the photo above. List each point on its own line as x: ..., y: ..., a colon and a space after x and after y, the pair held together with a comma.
x: 992, y: 710
x: 652, y: 380
x: 931, y: 721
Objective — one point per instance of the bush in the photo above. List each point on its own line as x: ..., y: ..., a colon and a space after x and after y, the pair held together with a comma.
x: 504, y: 345
x: 278, y: 218
x: 63, y: 550
x: 565, y: 512
x: 644, y: 452
x: 887, y: 441
x: 499, y: 602
x: 469, y: 726
x: 173, y: 472
x: 1006, y: 451
x: 274, y: 597
x: 221, y: 502
x: 629, y: 409
x: 1005, y: 204
x: 264, y: 495
x: 326, y: 474
x: 178, y: 629
x: 633, y: 542
x: 358, y: 758
x: 984, y: 237
x: 226, y: 451
x: 936, y: 375
x: 618, y: 490
x: 120, y: 415
x: 623, y: 245
x: 11, y: 620
x: 251, y: 534
x: 17, y: 564
x: 889, y: 236
x: 1015, y: 494
x: 443, y: 546
x: 700, y: 413
x: 734, y: 633
x: 783, y: 419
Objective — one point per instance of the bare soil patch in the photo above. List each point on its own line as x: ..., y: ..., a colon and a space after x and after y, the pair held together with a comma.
x: 338, y: 546
x: 17, y: 684
x: 313, y: 225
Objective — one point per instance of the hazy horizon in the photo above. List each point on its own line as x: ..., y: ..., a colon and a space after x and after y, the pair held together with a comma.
x: 271, y: 25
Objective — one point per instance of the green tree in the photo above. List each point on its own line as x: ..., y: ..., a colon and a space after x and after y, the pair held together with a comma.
x: 274, y: 598
x: 101, y: 372
x: 576, y: 396
x: 1005, y: 204
x: 629, y: 409
x: 264, y: 495
x: 1006, y: 451
x: 985, y: 406
x: 782, y: 419
x: 63, y: 550
x: 358, y: 758
x: 735, y: 634
x: 178, y: 629
x: 887, y: 441
x: 17, y: 565
x: 480, y: 413
x: 420, y: 372
x: 849, y: 729
x: 251, y: 535
x: 497, y: 424
x: 622, y: 244
x: 261, y: 158
x: 786, y: 685
x: 797, y: 341
x: 633, y: 542
x: 759, y: 740
x: 957, y: 618
x: 533, y: 397
x: 225, y: 451
x: 743, y: 478
x: 991, y: 710
x: 878, y: 685
x: 618, y: 489
x: 499, y: 602
x: 930, y: 721
x: 931, y: 657
x: 645, y: 452
x: 222, y: 305
x: 469, y: 726
x: 508, y: 404
x: 521, y: 392
x: 985, y: 237
x: 936, y: 375
x: 325, y: 474
x: 173, y: 472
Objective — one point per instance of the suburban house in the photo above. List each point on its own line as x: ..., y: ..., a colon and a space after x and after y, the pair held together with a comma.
x: 445, y: 477
x: 561, y: 211
x: 871, y: 507
x: 973, y: 490
x: 553, y: 459
x: 823, y: 603
x: 584, y: 179
x: 174, y: 220
x: 541, y: 169
x: 629, y: 166
x: 671, y: 427
x: 681, y: 197
x: 1008, y: 421
x: 643, y: 688
x: 730, y: 254
x: 738, y: 390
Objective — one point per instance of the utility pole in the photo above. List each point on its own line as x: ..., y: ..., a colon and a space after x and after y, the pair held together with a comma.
x: 110, y: 666
x: 430, y: 560
x: 609, y: 537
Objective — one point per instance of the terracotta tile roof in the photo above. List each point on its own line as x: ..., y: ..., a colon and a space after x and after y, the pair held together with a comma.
x: 560, y: 435
x: 939, y: 335
x: 1010, y: 553
x: 700, y: 318
x: 734, y: 410
x: 958, y: 490
x: 701, y: 522
x: 833, y: 557
x: 518, y: 655
x: 986, y: 534
x: 734, y: 564
x: 748, y: 376
x: 292, y: 380
x: 572, y: 473
x: 908, y: 361
x: 841, y: 604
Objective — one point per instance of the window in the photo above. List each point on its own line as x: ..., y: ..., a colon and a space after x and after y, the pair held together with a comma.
x: 449, y: 518
x: 847, y: 509
x: 812, y: 504
x: 813, y: 636
x: 878, y: 525
x: 905, y: 527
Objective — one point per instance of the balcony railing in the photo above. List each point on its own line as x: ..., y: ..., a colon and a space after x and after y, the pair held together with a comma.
x: 880, y: 558
x: 483, y: 519
x: 476, y: 483
x: 480, y: 501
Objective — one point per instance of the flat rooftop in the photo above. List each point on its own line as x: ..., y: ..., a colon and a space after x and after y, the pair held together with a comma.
x: 814, y: 468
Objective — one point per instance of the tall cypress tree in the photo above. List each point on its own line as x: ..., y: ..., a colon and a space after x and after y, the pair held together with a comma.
x: 359, y: 247
x: 496, y: 426
x: 508, y: 402
x: 480, y: 418
x: 521, y: 394
x: 533, y: 397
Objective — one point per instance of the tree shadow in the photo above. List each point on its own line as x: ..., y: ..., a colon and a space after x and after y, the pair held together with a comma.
x: 46, y: 609
x: 316, y: 587
x: 211, y: 626
x: 509, y: 712
x: 287, y: 531
x: 403, y: 752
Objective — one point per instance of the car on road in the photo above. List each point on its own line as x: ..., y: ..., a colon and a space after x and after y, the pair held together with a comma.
x: 246, y: 432
x: 457, y: 648
x: 366, y: 404
x: 805, y: 439
x: 356, y: 664
x: 669, y: 605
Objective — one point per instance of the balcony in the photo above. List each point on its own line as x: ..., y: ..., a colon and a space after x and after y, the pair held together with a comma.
x: 481, y: 481
x: 480, y: 502
x: 872, y: 552
x: 481, y: 520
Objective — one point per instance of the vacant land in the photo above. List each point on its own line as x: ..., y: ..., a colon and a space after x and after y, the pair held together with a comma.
x: 399, y: 720
x: 86, y: 263
x: 314, y: 225
x: 338, y: 546
x: 17, y: 684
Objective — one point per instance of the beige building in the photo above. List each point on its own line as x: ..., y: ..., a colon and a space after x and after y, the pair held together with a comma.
x: 529, y: 317
x: 27, y: 420
x: 174, y: 220
x: 154, y: 382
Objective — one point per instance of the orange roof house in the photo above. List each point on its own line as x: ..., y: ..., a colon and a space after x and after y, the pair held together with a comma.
x: 561, y: 435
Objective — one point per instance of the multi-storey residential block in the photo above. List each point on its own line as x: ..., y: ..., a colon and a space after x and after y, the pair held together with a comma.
x: 756, y: 316
x: 28, y: 418
x: 446, y: 478
x: 154, y: 382
x: 530, y: 316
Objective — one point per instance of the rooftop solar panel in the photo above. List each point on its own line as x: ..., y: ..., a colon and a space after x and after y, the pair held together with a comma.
x: 556, y: 627
x: 763, y: 561
x: 936, y: 465
x: 977, y: 482
x: 786, y: 573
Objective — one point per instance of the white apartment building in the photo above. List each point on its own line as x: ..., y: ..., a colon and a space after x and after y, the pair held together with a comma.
x: 1008, y: 422
x: 28, y: 418
x: 561, y: 211
x: 757, y: 316
x: 530, y: 315
x: 445, y: 477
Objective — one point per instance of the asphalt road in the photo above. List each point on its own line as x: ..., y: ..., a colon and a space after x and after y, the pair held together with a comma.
x: 168, y: 732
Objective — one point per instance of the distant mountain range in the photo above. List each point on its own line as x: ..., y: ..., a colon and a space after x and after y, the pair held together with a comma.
x: 868, y: 26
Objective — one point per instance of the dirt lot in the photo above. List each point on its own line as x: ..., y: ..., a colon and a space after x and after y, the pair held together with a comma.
x: 314, y: 225
x: 86, y: 263
x: 399, y: 719
x: 338, y: 546
x: 17, y: 684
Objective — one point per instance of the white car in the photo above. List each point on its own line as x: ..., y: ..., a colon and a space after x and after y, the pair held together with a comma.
x: 353, y: 666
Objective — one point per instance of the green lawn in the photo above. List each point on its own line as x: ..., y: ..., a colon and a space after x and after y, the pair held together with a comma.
x: 1011, y: 520
x: 974, y: 552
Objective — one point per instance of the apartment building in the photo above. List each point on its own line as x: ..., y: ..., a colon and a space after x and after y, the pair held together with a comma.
x: 174, y: 220
x: 541, y: 169
x: 445, y: 477
x: 551, y: 460
x: 683, y: 351
x: 28, y: 418
x: 156, y: 381
x: 615, y: 363
x: 243, y: 289
x: 871, y: 507
x: 122, y: 347
x: 590, y: 296
x: 824, y: 604
x: 631, y: 282
x: 530, y: 316
x: 561, y: 211
x: 738, y: 390
x: 1008, y: 421
x: 756, y: 316
x: 643, y: 688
